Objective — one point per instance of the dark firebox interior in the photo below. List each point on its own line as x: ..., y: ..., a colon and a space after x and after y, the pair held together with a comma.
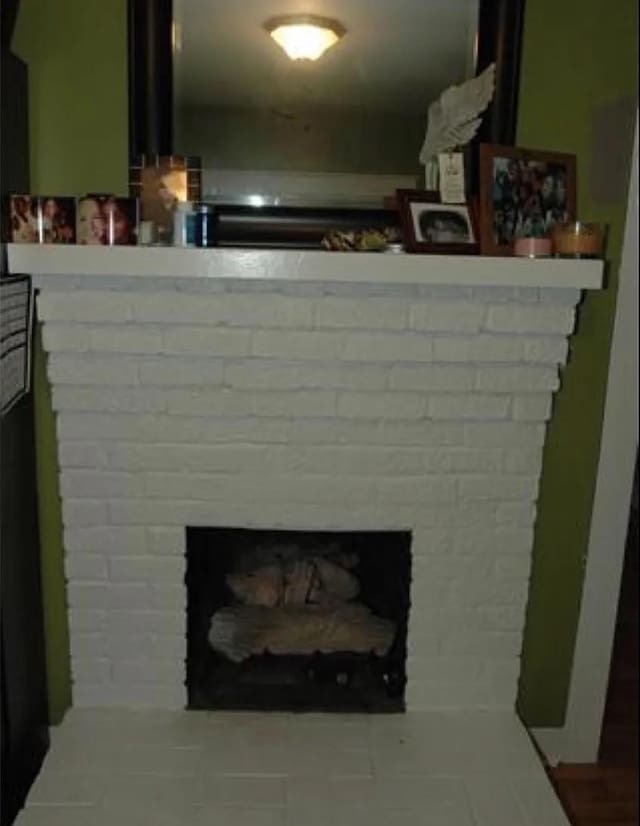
x: 342, y: 681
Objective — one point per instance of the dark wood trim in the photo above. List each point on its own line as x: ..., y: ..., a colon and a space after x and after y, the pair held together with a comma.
x: 500, y: 25
x: 150, y: 77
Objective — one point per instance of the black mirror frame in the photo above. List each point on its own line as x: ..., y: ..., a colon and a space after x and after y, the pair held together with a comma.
x: 150, y: 30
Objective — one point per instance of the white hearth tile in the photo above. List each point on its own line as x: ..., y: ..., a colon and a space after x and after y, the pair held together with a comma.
x: 236, y: 769
x: 245, y: 790
x: 241, y: 816
x: 68, y: 789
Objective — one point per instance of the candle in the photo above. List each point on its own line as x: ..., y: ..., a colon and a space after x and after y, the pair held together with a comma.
x: 577, y: 239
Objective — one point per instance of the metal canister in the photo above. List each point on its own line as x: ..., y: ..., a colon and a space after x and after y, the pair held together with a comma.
x: 206, y: 221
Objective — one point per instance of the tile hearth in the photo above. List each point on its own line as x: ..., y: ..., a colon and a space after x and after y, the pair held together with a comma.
x: 178, y: 768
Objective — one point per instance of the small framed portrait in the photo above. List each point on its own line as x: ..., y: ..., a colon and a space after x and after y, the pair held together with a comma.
x: 107, y: 220
x: 524, y: 193
x: 433, y: 227
x: 56, y: 220
x: 23, y: 219
x: 160, y: 182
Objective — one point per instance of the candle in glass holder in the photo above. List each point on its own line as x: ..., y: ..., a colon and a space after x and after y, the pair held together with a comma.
x: 577, y: 239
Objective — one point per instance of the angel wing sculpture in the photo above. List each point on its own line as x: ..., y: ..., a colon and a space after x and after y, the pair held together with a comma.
x: 453, y: 119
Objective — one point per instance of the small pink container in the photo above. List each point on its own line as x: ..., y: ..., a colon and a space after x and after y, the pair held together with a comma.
x: 532, y: 247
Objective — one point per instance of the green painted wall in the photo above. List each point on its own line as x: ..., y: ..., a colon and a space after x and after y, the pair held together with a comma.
x: 580, y: 56
x: 76, y: 53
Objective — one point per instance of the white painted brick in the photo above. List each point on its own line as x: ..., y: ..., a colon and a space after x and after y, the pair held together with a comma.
x: 501, y: 487
x: 512, y: 567
x: 381, y: 405
x: 478, y: 348
x: 224, y: 309
x: 506, y: 379
x: 169, y: 371
x: 432, y: 377
x: 98, y: 399
x: 294, y: 403
x: 545, y: 350
x: 500, y: 617
x: 64, y: 338
x: 216, y: 458
x: 148, y: 671
x: 332, y: 431
x: 488, y: 644
x: 209, y: 403
x: 89, y: 484
x: 151, y: 429
x: 155, y: 569
x: 452, y: 407
x: 532, y: 319
x: 387, y: 347
x: 452, y: 317
x: 523, y: 460
x: 125, y: 596
x: 516, y: 514
x: 84, y: 306
x: 493, y: 591
x: 87, y: 567
x: 86, y: 645
x: 419, y: 489
x: 347, y: 460
x: 87, y: 620
x: 76, y: 369
x: 109, y: 540
x: 373, y: 314
x: 564, y: 296
x: 269, y: 375
x: 533, y: 408
x: 166, y: 540
x: 206, y: 341
x: 83, y: 513
x: 87, y: 596
x: 118, y: 338
x: 160, y: 622
x: 456, y: 460
x: 92, y: 670
x: 499, y: 542
x: 167, y: 597
x: 421, y: 433
x: 296, y: 345
x: 504, y: 434
x: 81, y: 454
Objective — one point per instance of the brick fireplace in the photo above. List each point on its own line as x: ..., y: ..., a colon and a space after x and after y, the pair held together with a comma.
x: 219, y: 394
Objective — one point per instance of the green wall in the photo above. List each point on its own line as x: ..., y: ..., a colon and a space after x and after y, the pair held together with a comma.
x: 578, y: 54
x: 76, y: 53
x: 579, y: 78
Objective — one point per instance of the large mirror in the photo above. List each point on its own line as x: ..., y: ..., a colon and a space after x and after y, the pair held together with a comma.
x: 346, y: 129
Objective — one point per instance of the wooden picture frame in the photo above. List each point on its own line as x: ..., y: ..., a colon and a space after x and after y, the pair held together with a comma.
x: 523, y: 192
x: 429, y: 226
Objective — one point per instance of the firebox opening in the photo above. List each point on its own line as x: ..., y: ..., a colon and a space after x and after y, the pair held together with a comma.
x: 297, y: 620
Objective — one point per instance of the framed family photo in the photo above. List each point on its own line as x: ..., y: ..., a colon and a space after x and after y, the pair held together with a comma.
x: 523, y: 194
x: 433, y: 227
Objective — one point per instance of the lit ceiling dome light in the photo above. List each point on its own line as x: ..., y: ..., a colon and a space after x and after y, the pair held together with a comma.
x: 305, y: 37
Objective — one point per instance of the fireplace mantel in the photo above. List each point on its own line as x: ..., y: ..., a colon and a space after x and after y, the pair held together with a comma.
x: 303, y: 266
x: 300, y: 391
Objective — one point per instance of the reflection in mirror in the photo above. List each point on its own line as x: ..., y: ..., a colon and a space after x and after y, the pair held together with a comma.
x: 345, y: 129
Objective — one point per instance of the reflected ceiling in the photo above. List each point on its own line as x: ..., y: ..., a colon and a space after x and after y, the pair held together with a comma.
x: 397, y: 55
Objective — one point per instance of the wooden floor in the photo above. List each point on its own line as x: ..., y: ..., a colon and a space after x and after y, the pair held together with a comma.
x: 607, y: 794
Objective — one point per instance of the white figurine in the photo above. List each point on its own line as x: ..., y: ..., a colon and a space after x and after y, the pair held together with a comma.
x: 453, y: 119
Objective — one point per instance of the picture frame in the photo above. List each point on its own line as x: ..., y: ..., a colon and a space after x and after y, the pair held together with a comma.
x: 523, y: 193
x: 429, y: 226
x: 159, y: 182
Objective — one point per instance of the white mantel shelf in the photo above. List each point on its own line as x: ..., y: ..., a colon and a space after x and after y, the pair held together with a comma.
x: 302, y: 265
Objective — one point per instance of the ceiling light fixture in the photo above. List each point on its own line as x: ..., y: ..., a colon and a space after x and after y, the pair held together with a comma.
x: 304, y: 36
